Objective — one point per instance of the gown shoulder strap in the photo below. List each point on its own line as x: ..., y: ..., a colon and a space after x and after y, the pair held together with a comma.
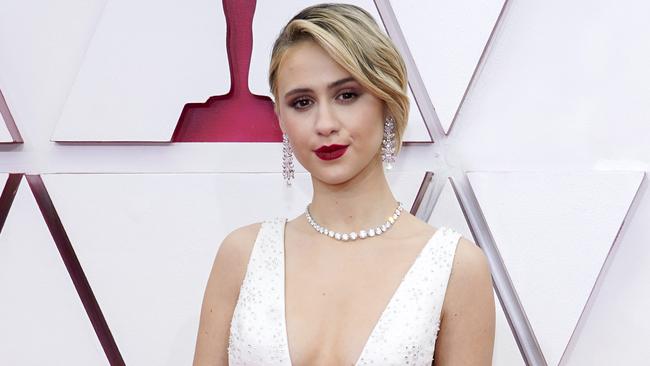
x: 257, y: 327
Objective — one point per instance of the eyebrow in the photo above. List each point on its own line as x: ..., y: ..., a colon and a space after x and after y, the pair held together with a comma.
x: 329, y: 86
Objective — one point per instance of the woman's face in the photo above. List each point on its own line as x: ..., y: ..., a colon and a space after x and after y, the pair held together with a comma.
x: 320, y: 104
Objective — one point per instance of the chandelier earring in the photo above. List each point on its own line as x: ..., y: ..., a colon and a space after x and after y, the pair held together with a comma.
x: 388, y: 143
x: 287, y: 160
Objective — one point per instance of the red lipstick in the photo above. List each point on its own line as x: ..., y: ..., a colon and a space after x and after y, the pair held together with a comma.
x: 331, y: 152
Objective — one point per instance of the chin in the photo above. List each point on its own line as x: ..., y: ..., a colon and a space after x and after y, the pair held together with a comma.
x: 334, y: 178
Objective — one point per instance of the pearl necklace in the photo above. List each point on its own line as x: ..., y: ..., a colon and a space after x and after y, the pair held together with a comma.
x: 362, y: 234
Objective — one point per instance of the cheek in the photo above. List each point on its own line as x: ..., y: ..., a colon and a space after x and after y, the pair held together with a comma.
x: 299, y: 135
x: 369, y: 130
x: 291, y: 123
x: 296, y: 128
x: 368, y: 119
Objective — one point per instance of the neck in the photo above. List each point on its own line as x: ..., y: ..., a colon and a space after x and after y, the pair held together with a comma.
x: 362, y: 202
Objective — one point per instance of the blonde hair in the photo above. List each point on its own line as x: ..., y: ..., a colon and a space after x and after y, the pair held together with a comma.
x: 350, y: 35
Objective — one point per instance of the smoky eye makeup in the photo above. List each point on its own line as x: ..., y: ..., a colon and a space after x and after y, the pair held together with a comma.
x: 344, y: 95
x: 348, y: 95
x: 300, y: 102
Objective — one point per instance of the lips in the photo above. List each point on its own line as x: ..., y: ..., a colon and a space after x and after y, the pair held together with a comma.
x: 331, y: 152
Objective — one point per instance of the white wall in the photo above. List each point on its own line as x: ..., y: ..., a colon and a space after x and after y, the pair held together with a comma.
x: 539, y: 115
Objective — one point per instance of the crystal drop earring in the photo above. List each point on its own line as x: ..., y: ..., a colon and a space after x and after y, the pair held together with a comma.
x: 388, y: 143
x: 287, y: 160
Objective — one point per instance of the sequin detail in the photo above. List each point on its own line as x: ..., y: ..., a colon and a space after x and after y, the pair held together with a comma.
x: 257, y: 332
x: 404, y: 335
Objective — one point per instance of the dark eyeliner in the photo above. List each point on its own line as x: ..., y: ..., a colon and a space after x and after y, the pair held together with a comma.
x: 355, y: 94
x: 295, y: 103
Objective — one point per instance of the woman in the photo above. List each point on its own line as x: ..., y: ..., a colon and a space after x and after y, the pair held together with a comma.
x: 341, y: 284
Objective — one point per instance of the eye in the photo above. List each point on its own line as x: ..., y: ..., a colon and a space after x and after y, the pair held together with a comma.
x: 347, y: 96
x: 301, y: 103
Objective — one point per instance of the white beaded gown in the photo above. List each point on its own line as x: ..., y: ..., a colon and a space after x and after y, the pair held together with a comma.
x: 405, y: 333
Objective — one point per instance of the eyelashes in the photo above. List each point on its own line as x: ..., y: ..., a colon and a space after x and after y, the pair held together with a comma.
x: 300, y: 103
x: 351, y: 95
x: 345, y: 97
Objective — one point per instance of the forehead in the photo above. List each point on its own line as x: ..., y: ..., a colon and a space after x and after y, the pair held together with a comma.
x: 307, y: 65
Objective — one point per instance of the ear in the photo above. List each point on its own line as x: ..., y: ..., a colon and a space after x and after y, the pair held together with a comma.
x: 276, y: 110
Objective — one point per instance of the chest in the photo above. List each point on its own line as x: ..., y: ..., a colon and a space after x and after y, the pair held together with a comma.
x: 358, y: 310
x: 333, y: 301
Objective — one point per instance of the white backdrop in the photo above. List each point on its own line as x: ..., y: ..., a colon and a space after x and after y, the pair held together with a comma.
x: 541, y: 144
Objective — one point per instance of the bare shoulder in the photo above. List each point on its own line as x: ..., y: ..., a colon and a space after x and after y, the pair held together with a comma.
x: 237, y: 246
x: 221, y: 293
x: 470, y: 274
x: 230, y: 263
x: 468, y: 313
x: 470, y: 263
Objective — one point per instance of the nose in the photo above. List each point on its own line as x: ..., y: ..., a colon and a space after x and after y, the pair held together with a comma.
x: 326, y: 121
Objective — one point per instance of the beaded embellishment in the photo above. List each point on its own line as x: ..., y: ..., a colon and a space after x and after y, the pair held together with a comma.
x: 405, y: 333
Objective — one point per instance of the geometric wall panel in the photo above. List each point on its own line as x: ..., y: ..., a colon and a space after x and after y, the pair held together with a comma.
x: 136, y: 77
x: 502, y: 125
x: 558, y: 97
x: 5, y: 121
x: 238, y: 116
x: 42, y: 44
x: 405, y: 186
x: 506, y: 351
x: 146, y: 243
x: 43, y: 321
x: 5, y: 136
x: 446, y: 39
x: 615, y: 329
x: 267, y: 27
x: 448, y: 212
x: 8, y: 130
x: 554, y: 231
x: 416, y: 130
x: 3, y: 182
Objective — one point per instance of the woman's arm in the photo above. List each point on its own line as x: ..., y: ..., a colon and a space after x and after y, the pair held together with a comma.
x: 220, y: 298
x: 466, y: 335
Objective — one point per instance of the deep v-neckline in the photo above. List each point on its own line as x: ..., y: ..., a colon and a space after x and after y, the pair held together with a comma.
x: 283, y: 292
